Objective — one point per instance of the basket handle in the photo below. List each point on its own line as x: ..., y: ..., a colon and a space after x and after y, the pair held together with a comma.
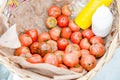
x: 3, y: 6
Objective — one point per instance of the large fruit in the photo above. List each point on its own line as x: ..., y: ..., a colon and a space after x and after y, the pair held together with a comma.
x: 97, y: 49
x: 51, y: 58
x: 88, y: 62
x: 70, y: 59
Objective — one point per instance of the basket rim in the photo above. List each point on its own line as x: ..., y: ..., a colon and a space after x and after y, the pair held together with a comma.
x: 94, y: 71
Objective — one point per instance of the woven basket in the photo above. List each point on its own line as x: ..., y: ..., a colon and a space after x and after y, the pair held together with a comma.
x: 112, y: 42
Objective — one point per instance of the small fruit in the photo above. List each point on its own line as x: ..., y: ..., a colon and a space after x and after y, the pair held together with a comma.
x: 96, y: 39
x: 53, y: 45
x: 62, y: 43
x: 76, y: 37
x: 88, y: 33
x: 66, y: 33
x: 34, y: 48
x: 55, y: 33
x: 73, y: 48
x: 44, y: 48
x: 84, y: 52
x: 73, y: 26
x: 43, y: 37
x: 62, y: 21
x: 51, y: 22
x: 65, y: 10
x: 23, y: 51
x: 62, y: 66
x: 59, y: 55
x: 35, y: 58
x: 25, y: 40
x: 84, y: 44
x: 77, y: 68
x: 54, y: 11
x: 33, y: 33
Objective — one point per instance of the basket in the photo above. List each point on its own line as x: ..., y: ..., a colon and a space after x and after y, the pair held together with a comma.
x: 112, y: 42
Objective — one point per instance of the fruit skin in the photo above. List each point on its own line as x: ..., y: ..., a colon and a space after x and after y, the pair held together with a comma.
x: 77, y: 68
x: 35, y: 58
x: 73, y: 48
x: 25, y: 39
x: 70, y: 59
x: 43, y: 37
x: 84, y: 52
x: 59, y: 55
x: 73, y: 26
x: 62, y: 66
x: 76, y: 37
x: 62, y: 43
x: 34, y: 48
x: 54, y: 11
x: 66, y: 33
x: 97, y: 50
x: 33, y: 33
x: 51, y: 58
x: 84, y: 44
x: 55, y: 33
x: 88, y: 33
x: 44, y: 48
x: 62, y: 21
x: 23, y: 51
x: 53, y: 45
x: 51, y: 22
x: 65, y: 10
x: 96, y: 39
x: 88, y: 62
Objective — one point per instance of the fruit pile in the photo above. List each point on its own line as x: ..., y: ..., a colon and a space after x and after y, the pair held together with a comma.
x: 65, y: 45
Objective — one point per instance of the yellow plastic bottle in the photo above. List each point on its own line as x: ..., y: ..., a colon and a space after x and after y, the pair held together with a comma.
x: 84, y: 18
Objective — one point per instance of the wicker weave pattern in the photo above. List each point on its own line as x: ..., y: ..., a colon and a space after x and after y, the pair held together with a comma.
x: 112, y: 41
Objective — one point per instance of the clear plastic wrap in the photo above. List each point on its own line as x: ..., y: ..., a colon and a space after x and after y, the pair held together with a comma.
x: 76, y: 6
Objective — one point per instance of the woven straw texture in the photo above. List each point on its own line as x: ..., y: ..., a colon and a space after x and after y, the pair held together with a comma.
x: 111, y: 43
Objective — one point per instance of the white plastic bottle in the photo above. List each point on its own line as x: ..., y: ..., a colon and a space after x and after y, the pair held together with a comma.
x: 102, y: 21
